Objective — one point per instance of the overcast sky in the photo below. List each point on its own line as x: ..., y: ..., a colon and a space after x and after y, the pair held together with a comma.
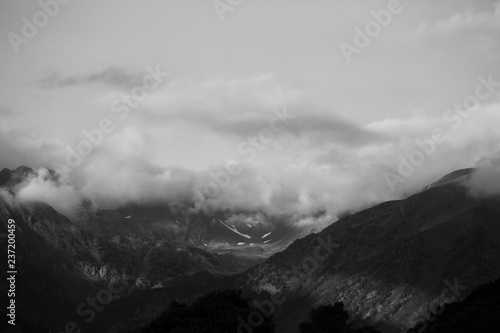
x: 354, y: 118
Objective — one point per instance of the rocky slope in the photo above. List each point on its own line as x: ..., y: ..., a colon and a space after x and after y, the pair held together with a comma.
x: 387, y: 263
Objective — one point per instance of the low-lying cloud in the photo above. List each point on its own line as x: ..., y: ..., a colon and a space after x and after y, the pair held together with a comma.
x: 485, y: 180
x: 183, y: 136
x: 119, y: 77
x: 40, y: 187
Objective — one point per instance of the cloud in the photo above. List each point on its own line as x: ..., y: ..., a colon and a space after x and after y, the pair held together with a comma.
x: 464, y: 21
x: 485, y: 181
x: 124, y: 179
x: 118, y: 77
x: 40, y: 187
x: 26, y: 147
x: 182, y: 136
x: 316, y: 222
x: 6, y: 112
x: 243, y: 107
x: 7, y: 197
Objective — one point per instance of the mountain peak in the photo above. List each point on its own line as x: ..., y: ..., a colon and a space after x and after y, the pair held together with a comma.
x: 453, y: 177
x: 10, y: 178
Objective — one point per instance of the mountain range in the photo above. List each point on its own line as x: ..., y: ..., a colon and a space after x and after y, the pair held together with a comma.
x: 391, y: 264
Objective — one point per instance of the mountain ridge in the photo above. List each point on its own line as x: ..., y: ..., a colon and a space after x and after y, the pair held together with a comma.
x: 386, y: 263
x: 393, y: 259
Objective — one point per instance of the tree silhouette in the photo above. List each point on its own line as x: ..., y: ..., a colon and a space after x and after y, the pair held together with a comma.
x: 217, y: 311
x: 331, y: 319
x: 478, y: 312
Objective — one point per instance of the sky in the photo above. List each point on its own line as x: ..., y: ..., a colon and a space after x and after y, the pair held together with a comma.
x: 284, y: 106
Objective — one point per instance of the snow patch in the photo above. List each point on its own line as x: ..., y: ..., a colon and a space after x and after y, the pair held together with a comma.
x: 233, y: 229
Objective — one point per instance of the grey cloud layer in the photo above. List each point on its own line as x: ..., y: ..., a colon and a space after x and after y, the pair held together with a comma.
x: 6, y: 111
x: 320, y: 162
x: 485, y: 181
x: 114, y: 76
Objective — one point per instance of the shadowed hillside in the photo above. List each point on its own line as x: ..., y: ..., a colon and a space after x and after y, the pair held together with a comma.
x: 479, y: 312
x: 387, y: 263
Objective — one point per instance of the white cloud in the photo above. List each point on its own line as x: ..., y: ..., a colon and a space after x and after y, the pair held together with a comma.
x: 485, y: 181
x: 62, y: 197
x: 321, y: 162
x: 468, y: 20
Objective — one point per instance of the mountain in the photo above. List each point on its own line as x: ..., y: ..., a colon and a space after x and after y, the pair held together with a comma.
x: 9, y: 179
x: 389, y: 262
x: 66, y: 261
x: 217, y: 230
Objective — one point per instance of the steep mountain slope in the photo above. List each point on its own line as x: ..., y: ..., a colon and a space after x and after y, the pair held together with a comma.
x: 387, y: 263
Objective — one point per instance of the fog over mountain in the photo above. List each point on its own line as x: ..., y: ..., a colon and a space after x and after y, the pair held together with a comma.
x: 201, y: 142
x: 341, y: 137
x: 293, y: 173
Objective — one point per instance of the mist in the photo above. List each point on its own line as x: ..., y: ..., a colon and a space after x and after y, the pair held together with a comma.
x: 286, y: 177
x: 253, y: 145
x: 485, y: 180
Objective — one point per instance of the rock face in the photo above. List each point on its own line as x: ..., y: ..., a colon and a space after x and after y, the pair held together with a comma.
x: 387, y: 263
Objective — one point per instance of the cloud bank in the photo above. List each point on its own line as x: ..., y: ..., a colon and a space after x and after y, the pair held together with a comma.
x: 485, y: 181
x: 119, y: 77
x: 188, y: 134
